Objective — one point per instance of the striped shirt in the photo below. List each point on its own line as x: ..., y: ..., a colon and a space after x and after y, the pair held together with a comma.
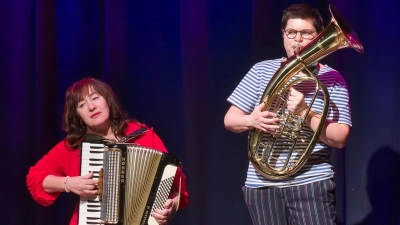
x: 247, y: 95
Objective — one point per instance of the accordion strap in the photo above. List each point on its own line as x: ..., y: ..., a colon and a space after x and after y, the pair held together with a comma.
x: 138, y: 132
x: 134, y: 134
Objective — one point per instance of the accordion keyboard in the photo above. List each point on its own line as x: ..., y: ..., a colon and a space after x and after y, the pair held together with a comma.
x: 91, y: 160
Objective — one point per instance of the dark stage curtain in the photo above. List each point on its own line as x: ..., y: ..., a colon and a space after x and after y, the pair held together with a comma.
x: 173, y: 64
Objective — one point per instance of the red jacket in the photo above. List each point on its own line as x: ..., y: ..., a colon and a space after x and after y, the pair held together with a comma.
x: 63, y: 161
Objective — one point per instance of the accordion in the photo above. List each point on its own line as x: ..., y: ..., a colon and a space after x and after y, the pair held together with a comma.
x: 133, y: 182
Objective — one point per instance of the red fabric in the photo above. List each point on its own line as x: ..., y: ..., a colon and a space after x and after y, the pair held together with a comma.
x: 63, y: 161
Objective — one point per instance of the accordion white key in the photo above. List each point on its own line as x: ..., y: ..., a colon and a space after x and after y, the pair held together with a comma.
x: 133, y: 182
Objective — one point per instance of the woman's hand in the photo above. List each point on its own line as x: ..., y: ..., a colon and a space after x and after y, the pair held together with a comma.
x: 83, y: 185
x: 296, y: 103
x: 162, y: 216
x: 237, y: 120
x: 263, y: 120
x: 80, y: 185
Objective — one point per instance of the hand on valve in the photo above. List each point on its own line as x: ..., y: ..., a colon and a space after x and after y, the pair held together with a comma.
x: 296, y: 103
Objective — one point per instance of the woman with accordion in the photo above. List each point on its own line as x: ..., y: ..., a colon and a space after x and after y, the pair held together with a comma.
x: 92, y: 111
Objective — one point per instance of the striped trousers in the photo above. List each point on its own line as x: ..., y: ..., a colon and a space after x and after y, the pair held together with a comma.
x: 310, y: 204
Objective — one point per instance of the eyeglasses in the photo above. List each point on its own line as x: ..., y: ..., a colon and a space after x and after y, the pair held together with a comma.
x: 306, y: 34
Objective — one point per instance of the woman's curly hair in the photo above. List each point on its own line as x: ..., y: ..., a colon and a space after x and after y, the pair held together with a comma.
x: 72, y: 122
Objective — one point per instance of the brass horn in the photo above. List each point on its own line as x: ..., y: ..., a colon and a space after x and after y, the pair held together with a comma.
x: 261, y: 146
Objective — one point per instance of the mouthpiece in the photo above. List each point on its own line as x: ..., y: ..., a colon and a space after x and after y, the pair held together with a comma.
x: 297, y: 48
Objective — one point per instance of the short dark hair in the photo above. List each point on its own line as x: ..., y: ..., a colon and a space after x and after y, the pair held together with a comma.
x: 303, y: 11
x: 72, y: 121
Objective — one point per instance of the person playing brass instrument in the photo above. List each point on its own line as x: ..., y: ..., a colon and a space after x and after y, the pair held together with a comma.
x: 308, y: 196
x: 92, y: 110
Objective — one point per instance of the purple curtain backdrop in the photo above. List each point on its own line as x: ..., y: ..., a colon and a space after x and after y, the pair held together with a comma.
x: 173, y: 64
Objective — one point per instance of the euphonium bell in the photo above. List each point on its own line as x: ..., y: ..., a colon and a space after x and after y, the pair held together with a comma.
x: 336, y: 35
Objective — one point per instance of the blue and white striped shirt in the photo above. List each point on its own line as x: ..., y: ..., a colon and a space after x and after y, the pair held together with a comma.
x: 247, y: 95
